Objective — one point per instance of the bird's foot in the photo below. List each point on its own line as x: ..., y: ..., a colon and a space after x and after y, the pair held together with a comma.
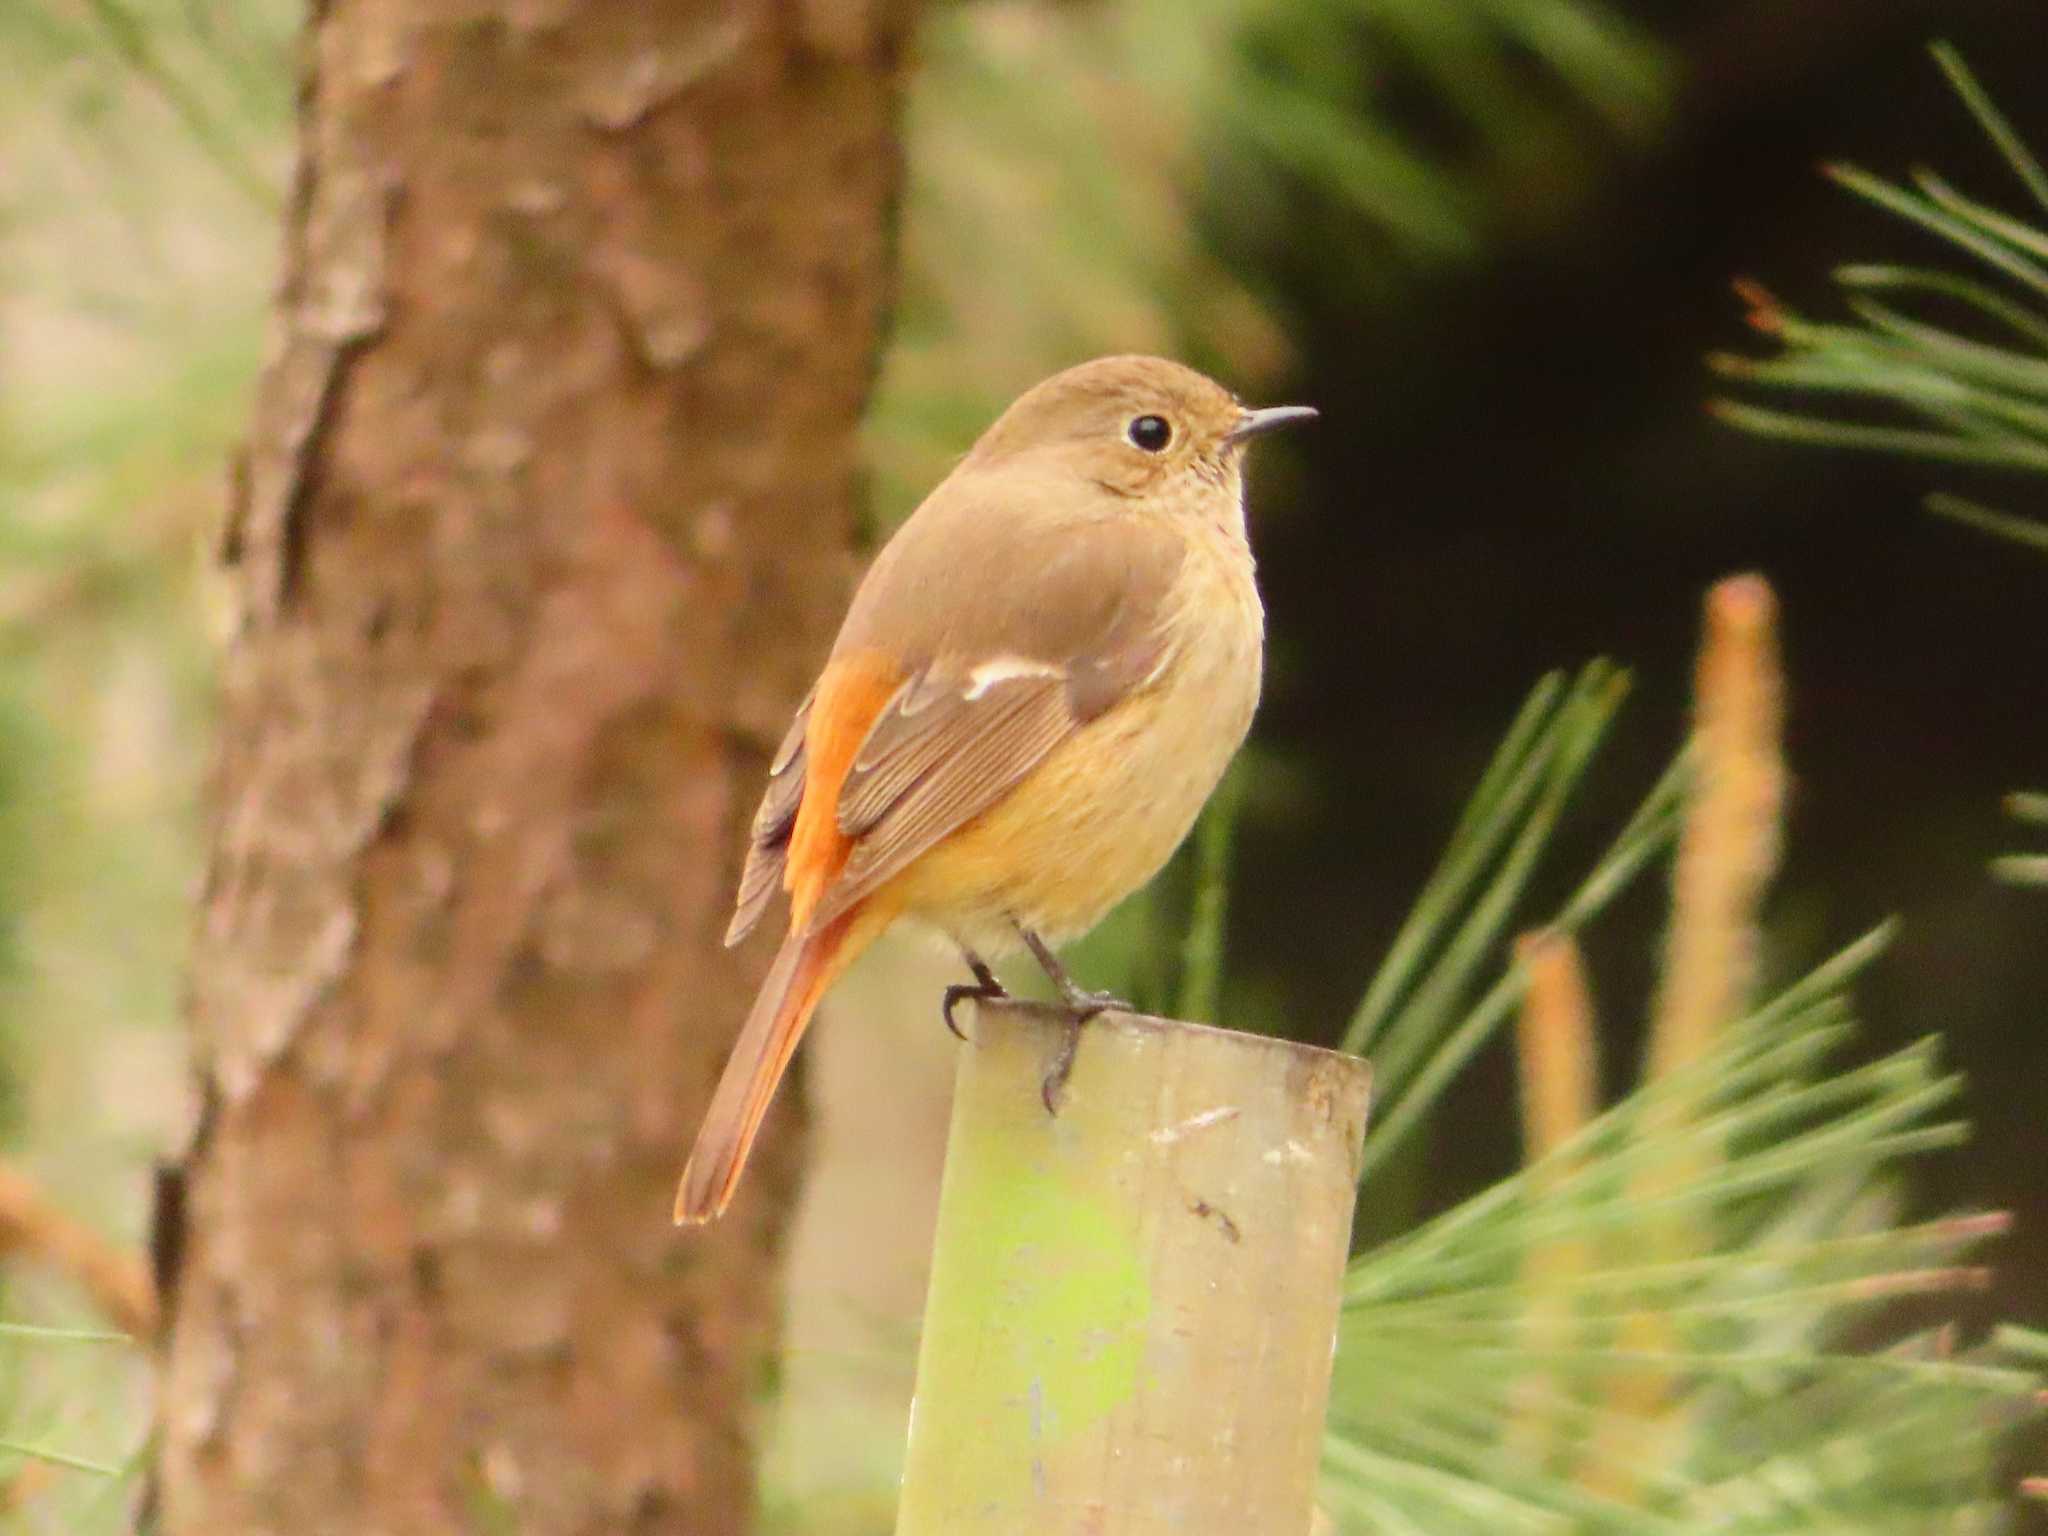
x: 1085, y: 1005
x: 960, y: 992
x: 1081, y: 1007
x: 985, y: 988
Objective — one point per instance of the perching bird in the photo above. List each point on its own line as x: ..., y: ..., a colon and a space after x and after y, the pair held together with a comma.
x: 1039, y: 683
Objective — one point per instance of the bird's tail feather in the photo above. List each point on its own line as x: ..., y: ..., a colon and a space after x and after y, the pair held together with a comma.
x: 807, y: 964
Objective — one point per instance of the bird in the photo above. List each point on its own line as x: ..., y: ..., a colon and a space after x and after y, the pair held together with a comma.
x: 1037, y: 686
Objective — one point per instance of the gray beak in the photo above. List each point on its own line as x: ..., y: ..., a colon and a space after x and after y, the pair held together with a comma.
x: 1270, y: 419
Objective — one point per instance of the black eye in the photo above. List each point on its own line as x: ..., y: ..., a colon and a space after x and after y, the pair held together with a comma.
x: 1150, y: 433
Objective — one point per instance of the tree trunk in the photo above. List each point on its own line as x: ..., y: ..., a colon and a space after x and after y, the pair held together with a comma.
x: 543, y: 524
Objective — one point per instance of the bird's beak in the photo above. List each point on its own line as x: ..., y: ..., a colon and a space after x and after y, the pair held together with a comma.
x: 1270, y: 419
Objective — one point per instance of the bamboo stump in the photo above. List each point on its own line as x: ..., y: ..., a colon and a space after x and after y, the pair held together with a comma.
x: 1133, y: 1303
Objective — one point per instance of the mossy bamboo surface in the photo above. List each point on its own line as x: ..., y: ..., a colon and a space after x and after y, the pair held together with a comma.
x: 1133, y: 1303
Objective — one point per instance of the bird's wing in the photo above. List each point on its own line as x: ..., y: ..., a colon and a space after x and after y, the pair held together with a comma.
x: 768, y: 837
x: 963, y: 663
x: 1044, y: 628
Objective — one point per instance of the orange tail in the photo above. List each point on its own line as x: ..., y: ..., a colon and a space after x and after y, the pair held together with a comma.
x: 805, y: 967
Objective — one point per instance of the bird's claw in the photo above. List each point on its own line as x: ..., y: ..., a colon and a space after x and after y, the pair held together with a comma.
x: 1081, y: 1007
x: 959, y: 992
x: 1062, y: 1067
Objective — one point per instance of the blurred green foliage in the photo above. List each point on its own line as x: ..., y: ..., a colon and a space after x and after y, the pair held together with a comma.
x: 2024, y: 868
x: 1068, y: 163
x: 146, y: 144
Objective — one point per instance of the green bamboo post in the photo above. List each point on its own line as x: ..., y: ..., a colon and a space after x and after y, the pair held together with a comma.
x: 1133, y: 1303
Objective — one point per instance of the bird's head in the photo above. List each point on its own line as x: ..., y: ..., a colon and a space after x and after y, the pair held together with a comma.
x: 1141, y: 428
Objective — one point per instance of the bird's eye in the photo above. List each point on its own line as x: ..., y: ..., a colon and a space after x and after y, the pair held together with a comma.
x: 1150, y: 433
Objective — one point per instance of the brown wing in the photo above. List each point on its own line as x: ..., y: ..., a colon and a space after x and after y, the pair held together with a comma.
x: 986, y: 747
x: 1035, y: 637
x: 768, y: 839
x: 929, y: 720
x: 1014, y: 621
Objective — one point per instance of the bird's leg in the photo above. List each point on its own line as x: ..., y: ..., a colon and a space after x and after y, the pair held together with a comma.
x: 1072, y: 997
x: 985, y: 989
x: 1081, y: 1006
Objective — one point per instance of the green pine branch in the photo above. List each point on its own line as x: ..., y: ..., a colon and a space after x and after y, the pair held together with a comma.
x: 1970, y: 388
x: 1648, y: 1328
x: 1946, y: 363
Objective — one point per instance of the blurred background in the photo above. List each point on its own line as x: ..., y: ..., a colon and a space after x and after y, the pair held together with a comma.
x: 1492, y: 240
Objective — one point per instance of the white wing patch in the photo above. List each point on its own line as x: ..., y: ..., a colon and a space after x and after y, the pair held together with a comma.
x: 1006, y: 669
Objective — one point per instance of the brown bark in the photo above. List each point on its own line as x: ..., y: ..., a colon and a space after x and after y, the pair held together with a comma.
x: 544, y: 521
